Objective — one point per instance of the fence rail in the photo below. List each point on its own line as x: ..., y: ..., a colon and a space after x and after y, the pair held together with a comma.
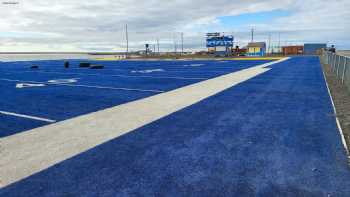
x: 340, y: 66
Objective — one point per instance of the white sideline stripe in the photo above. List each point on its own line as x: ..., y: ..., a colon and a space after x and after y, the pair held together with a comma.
x: 336, y: 117
x: 26, y: 116
x: 29, y: 152
x: 122, y: 76
x: 85, y: 86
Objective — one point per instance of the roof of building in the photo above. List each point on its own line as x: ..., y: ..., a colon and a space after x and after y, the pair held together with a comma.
x: 317, y: 44
x: 294, y: 46
x: 257, y: 44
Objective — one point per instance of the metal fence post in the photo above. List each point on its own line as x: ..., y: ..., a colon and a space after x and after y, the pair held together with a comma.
x: 330, y: 60
x: 340, y: 63
x: 345, y: 63
x: 337, y: 66
x: 323, y: 55
x: 333, y: 62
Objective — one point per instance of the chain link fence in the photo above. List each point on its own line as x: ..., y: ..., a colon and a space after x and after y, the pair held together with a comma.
x: 340, y: 66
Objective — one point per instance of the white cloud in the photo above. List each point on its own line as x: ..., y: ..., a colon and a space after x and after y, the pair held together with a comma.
x: 99, y: 25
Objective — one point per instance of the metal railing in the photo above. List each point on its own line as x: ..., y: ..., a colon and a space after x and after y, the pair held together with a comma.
x: 340, y: 66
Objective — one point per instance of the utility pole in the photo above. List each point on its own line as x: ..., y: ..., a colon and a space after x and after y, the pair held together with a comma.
x: 127, y: 41
x: 279, y: 42
x: 269, y: 48
x: 252, y: 34
x: 175, y: 47
x: 182, y: 43
x: 158, y: 46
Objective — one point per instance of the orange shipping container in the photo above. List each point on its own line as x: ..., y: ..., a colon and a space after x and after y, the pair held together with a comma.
x: 293, y: 50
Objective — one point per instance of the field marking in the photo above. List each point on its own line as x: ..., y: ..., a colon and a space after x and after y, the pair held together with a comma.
x: 194, y: 65
x: 63, y: 81
x: 203, y: 71
x: 27, y: 116
x: 122, y: 76
x: 148, y: 70
x: 29, y: 85
x: 27, y: 153
x: 85, y: 86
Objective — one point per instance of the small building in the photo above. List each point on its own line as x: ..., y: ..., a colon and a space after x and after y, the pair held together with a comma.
x: 256, y: 49
x: 293, y: 50
x: 313, y: 48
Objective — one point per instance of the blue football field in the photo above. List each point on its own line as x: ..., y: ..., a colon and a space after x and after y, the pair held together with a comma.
x: 272, y: 135
x: 66, y: 93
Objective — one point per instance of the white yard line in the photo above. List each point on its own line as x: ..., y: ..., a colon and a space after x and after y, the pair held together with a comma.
x: 29, y: 152
x: 85, y: 86
x: 26, y: 116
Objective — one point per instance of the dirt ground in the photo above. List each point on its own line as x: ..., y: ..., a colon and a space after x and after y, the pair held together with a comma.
x: 344, y: 52
x: 341, y: 98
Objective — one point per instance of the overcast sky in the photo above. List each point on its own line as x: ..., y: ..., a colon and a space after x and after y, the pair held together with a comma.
x: 75, y: 25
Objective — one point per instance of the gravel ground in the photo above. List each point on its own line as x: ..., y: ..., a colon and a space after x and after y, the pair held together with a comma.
x: 344, y: 52
x: 341, y: 98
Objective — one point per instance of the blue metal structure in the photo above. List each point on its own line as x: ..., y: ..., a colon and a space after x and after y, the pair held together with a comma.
x: 312, y: 48
x: 225, y: 42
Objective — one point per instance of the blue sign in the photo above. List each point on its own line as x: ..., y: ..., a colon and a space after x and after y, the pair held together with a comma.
x: 226, y: 41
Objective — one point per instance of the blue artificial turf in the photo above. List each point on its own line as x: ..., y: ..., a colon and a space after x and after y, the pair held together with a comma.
x: 273, y: 135
x: 63, y: 102
x: 56, y: 103
x: 171, y: 68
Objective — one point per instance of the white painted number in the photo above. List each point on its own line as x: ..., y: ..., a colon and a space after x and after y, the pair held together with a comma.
x: 61, y: 81
x: 54, y: 81
x: 29, y: 85
x: 147, y: 71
